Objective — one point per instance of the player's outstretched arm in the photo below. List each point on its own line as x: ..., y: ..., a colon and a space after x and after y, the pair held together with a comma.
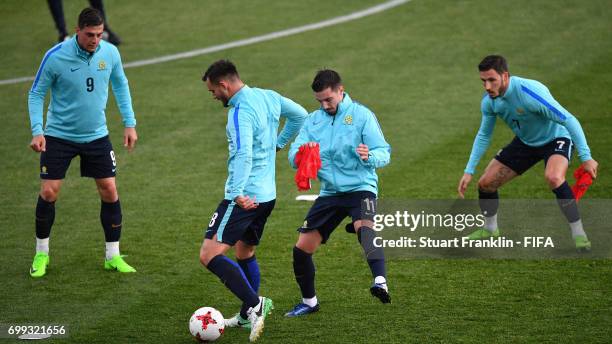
x: 481, y: 141
x: 572, y: 125
x: 479, y: 147
x: 577, y: 134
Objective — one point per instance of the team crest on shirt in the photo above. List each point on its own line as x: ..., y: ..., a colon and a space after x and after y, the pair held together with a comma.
x: 520, y: 111
x: 101, y: 65
x: 348, y: 119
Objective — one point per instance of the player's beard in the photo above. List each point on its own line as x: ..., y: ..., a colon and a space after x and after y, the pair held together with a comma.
x: 502, y: 89
x: 500, y: 92
x: 225, y: 101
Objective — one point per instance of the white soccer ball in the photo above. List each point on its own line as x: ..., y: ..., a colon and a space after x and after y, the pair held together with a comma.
x: 206, y: 324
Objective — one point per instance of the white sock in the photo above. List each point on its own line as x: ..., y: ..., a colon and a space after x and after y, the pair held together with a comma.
x: 112, y: 249
x: 491, y: 223
x: 42, y: 245
x: 380, y: 280
x: 311, y: 302
x: 577, y: 229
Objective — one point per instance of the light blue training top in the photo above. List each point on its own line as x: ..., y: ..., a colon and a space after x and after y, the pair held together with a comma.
x: 534, y: 116
x: 252, y: 129
x: 79, y: 91
x: 342, y: 170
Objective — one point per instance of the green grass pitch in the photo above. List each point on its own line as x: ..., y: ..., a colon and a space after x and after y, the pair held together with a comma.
x: 414, y: 65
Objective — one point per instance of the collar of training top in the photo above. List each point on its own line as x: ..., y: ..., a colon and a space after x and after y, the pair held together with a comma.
x: 82, y: 52
x: 510, y: 88
x: 238, y: 95
x: 342, y: 106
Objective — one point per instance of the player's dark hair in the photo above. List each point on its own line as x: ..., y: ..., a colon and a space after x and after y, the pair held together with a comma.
x: 326, y: 78
x: 221, y: 69
x: 90, y: 17
x: 496, y: 62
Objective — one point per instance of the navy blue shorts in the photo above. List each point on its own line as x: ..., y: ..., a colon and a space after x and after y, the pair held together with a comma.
x: 232, y: 223
x: 329, y: 211
x: 97, y: 158
x: 520, y: 157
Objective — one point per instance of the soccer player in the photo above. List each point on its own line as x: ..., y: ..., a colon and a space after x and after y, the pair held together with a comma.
x: 351, y: 146
x: 544, y: 131
x: 250, y: 189
x: 78, y: 72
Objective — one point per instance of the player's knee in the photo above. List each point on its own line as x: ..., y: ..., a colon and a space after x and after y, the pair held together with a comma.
x: 49, y: 193
x: 362, y: 223
x: 310, y: 249
x: 486, y: 184
x: 209, y: 250
x: 554, y: 180
x: 308, y: 243
x: 245, y: 251
x: 204, y: 257
x: 108, y: 192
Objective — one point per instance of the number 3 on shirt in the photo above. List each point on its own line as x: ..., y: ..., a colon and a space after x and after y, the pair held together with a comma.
x: 89, y: 82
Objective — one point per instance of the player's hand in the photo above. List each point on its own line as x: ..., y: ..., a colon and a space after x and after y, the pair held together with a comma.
x: 463, y: 184
x: 246, y: 203
x: 310, y: 144
x: 129, y: 138
x: 38, y: 143
x: 363, y: 151
x: 307, y: 144
x: 590, y: 166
